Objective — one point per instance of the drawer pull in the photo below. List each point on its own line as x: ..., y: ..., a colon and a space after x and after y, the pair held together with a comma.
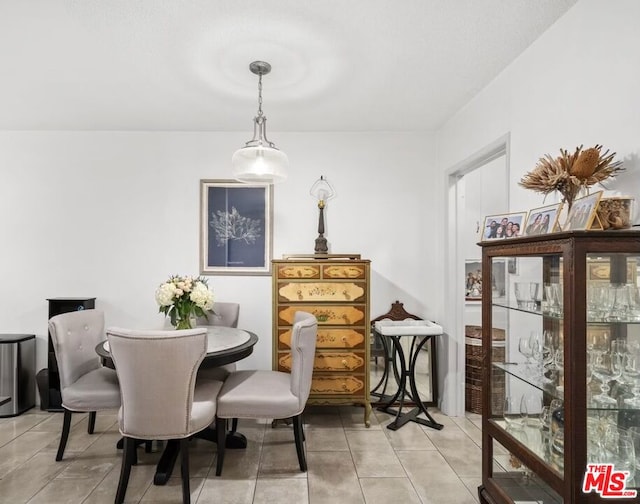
x: 344, y: 363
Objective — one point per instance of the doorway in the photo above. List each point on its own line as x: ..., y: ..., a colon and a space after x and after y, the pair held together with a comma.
x: 476, y: 187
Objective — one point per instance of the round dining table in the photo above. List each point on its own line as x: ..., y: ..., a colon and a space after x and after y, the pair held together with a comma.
x: 224, y: 346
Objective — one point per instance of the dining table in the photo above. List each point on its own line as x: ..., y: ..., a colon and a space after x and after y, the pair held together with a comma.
x: 225, y: 345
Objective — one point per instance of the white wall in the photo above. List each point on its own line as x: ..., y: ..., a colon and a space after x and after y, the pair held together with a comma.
x: 577, y: 84
x: 113, y: 214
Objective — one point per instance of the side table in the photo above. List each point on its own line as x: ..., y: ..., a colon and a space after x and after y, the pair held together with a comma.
x: 420, y: 332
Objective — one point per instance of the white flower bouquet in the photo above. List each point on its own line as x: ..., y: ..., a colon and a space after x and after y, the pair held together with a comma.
x: 183, y: 298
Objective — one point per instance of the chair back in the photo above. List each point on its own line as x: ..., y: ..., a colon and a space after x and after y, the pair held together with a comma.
x: 157, y: 375
x: 222, y: 314
x: 303, y: 349
x: 75, y: 336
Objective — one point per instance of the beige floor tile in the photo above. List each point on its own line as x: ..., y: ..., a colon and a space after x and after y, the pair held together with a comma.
x: 368, y: 440
x: 172, y: 491
x: 21, y: 449
x: 221, y: 491
x: 13, y: 427
x: 434, y: 481
x: 472, y: 484
x: 330, y: 439
x: 140, y: 480
x: 466, y: 462
x: 333, y: 478
x: 28, y: 479
x: 278, y: 491
x: 386, y: 490
x: 409, y: 437
x: 353, y: 418
x: 65, y: 491
x: 372, y: 463
x: 279, y: 459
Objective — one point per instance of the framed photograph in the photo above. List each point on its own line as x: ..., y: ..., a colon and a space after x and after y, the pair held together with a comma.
x: 502, y: 226
x: 235, y: 228
x: 542, y: 220
x: 473, y: 280
x: 583, y: 213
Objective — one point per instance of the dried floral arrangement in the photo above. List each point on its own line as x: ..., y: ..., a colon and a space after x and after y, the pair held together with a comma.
x: 569, y: 173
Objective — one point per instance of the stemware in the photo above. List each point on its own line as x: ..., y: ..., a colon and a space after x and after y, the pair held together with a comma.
x: 607, y: 367
x: 631, y: 373
x: 532, y: 406
x: 620, y: 303
x: 525, y: 348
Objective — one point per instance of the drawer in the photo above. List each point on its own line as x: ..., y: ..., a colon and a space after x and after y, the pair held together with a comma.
x: 299, y: 271
x: 344, y: 271
x: 331, y: 385
x: 321, y: 291
x: 328, y: 338
x: 329, y: 361
x: 326, y: 314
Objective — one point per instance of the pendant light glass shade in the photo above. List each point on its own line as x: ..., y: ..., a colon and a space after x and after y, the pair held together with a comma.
x: 260, y: 163
x: 260, y: 160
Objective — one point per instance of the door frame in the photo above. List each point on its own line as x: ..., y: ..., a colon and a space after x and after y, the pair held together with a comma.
x: 453, y: 400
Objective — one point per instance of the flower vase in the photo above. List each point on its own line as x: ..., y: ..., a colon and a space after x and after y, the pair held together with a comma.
x: 186, y: 323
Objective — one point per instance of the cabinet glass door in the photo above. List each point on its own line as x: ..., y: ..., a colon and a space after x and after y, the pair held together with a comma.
x: 527, y: 378
x: 613, y: 363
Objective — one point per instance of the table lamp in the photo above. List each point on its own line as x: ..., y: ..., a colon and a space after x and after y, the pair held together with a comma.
x: 322, y: 191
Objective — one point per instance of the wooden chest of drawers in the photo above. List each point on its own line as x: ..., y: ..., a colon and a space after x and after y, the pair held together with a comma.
x: 336, y: 291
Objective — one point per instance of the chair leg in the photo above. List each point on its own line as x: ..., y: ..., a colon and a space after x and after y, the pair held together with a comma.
x: 92, y: 422
x: 148, y: 445
x: 125, y: 470
x: 298, y: 432
x: 234, y: 425
x: 221, y: 432
x: 184, y: 467
x: 66, y: 427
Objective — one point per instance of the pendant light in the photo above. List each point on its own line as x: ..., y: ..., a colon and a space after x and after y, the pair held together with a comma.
x: 260, y: 160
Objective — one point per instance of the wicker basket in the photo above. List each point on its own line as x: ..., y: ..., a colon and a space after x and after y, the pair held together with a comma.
x: 473, y: 370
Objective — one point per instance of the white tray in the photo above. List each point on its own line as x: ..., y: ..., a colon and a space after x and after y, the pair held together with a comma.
x: 408, y: 327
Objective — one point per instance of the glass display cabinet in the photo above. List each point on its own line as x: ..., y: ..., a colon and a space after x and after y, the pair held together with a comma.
x: 561, y: 406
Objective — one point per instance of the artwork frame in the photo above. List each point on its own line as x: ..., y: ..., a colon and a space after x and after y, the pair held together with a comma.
x: 489, y: 233
x: 536, y: 224
x: 583, y: 213
x: 236, y: 228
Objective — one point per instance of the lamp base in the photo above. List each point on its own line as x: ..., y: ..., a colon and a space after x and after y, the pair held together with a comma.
x: 321, y: 245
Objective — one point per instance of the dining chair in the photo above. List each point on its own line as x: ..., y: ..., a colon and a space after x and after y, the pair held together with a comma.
x: 161, y: 398
x: 272, y: 394
x: 222, y: 314
x: 85, y: 386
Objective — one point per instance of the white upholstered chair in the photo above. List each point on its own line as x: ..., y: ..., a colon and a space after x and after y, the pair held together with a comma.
x: 85, y: 385
x: 272, y: 394
x: 160, y: 396
x: 225, y: 315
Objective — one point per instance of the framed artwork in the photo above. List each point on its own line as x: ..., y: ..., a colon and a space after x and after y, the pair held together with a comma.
x: 473, y: 280
x: 235, y: 228
x: 502, y: 226
x: 583, y: 213
x: 543, y: 220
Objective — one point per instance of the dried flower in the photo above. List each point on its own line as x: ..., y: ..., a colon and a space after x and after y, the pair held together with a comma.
x: 569, y: 173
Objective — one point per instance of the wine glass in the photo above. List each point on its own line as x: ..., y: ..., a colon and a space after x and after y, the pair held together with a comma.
x: 524, y: 346
x: 606, y: 367
x: 631, y: 373
x: 532, y: 405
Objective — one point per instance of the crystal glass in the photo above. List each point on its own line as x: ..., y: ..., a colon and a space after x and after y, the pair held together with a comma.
x: 512, y: 412
x: 620, y: 303
x: 606, y: 367
x: 525, y: 348
x: 532, y: 405
x: 523, y: 295
x: 631, y: 373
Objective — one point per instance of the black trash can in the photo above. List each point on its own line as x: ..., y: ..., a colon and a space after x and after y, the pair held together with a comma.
x: 17, y: 373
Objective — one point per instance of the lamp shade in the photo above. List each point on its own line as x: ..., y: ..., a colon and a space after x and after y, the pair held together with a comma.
x: 260, y: 163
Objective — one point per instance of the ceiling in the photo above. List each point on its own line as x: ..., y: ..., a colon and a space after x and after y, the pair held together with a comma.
x: 338, y: 65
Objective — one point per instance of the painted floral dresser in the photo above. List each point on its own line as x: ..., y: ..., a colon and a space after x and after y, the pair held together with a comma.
x: 334, y: 288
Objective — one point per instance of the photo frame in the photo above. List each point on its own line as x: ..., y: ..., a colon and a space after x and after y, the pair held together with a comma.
x: 236, y: 221
x: 583, y: 214
x: 543, y: 220
x: 501, y: 226
x: 473, y: 280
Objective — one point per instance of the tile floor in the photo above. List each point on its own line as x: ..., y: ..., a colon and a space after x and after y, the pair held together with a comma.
x: 348, y: 463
